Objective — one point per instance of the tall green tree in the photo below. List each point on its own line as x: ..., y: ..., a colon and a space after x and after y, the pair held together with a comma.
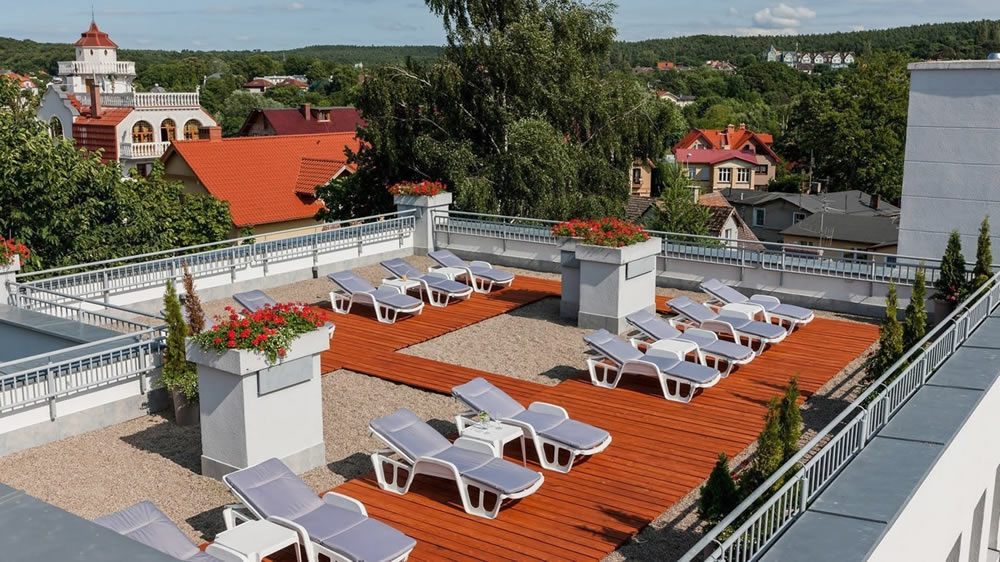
x: 521, y: 116
x: 952, y: 283
x: 770, y: 450
x: 890, y: 340
x: 983, y: 270
x: 677, y: 211
x: 719, y: 495
x: 238, y: 106
x: 790, y: 419
x: 915, y: 316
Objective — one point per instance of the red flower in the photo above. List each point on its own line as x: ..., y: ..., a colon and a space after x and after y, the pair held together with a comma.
x: 217, y: 340
x: 231, y: 343
x: 231, y: 334
x: 281, y: 351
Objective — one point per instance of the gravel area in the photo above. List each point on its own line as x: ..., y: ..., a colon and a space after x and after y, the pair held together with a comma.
x: 151, y: 458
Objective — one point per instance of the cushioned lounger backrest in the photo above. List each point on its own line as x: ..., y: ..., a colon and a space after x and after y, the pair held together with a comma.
x: 350, y: 282
x: 693, y: 310
x: 722, y: 291
x: 652, y: 325
x: 145, y: 523
x: 254, y: 300
x: 612, y: 346
x: 400, y: 267
x: 271, y: 488
x: 482, y: 396
x: 446, y: 258
x: 410, y: 434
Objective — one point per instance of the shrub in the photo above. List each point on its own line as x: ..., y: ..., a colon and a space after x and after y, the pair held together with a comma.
x: 609, y: 232
x: 719, y: 495
x: 10, y: 248
x: 983, y: 270
x: 915, y: 317
x: 952, y: 284
x: 429, y: 188
x: 270, y: 330
x: 890, y: 339
x: 178, y: 373
x: 790, y: 419
x: 192, y: 304
x: 770, y: 450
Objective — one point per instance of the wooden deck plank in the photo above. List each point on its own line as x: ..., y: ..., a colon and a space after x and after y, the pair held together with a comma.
x: 661, y: 450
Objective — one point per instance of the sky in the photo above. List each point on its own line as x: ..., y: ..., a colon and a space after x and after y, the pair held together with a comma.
x: 285, y: 24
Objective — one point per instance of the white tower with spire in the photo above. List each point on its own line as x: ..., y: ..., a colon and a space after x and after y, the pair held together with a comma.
x: 97, y: 59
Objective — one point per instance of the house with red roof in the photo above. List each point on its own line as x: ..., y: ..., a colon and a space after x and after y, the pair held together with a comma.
x: 719, y: 169
x: 734, y: 139
x: 24, y: 82
x: 258, y: 86
x: 269, y: 181
x: 95, y: 104
x: 301, y: 120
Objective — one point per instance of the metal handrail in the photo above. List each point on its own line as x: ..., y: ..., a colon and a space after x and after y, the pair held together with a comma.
x: 937, y: 334
x: 32, y: 288
x: 133, y: 336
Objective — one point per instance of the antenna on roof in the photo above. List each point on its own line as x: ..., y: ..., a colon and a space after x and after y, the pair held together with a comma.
x: 92, y: 19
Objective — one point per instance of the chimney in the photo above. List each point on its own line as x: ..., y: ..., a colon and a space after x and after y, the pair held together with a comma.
x: 94, y: 90
x: 743, y: 126
x: 876, y: 201
x: 211, y: 134
x: 730, y: 128
x: 305, y: 109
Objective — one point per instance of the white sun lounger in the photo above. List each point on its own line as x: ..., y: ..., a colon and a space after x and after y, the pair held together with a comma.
x: 667, y: 366
x: 470, y: 463
x: 388, y: 303
x: 145, y: 523
x: 770, y: 307
x: 480, y: 274
x: 336, y: 526
x: 440, y: 290
x: 255, y: 300
x: 558, y: 440
x: 709, y: 344
x: 736, y: 324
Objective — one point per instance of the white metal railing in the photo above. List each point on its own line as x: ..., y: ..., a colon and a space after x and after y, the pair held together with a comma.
x: 144, y: 100
x: 100, y: 280
x: 143, y: 150
x: 121, y: 68
x: 809, y: 260
x: 61, y: 305
x: 842, y: 439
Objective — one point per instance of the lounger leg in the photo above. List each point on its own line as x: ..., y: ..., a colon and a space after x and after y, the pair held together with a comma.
x: 479, y: 493
x: 379, y: 461
x: 554, y: 463
x: 340, y: 303
x: 676, y: 395
x: 608, y: 376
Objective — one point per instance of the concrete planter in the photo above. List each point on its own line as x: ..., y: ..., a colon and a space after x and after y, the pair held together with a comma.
x: 423, y: 207
x: 569, y: 302
x: 615, y: 282
x: 252, y: 410
x: 7, y: 272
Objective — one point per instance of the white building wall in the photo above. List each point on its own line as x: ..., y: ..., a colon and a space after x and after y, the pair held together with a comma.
x: 951, y: 177
x: 52, y: 105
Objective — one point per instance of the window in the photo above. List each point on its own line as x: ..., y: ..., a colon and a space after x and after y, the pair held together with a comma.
x: 55, y: 127
x: 692, y: 173
x: 761, y: 169
x: 729, y: 234
x: 725, y: 175
x: 191, y: 129
x: 142, y: 132
x: 168, y: 130
x: 796, y: 217
x: 758, y: 217
x: 743, y: 175
x: 637, y: 175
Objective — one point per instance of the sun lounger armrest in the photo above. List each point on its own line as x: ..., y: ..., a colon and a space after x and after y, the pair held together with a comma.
x: 345, y: 502
x: 474, y: 445
x: 480, y: 263
x: 224, y: 553
x: 551, y: 409
x: 303, y: 535
x: 434, y: 275
x: 707, y: 334
x: 765, y: 300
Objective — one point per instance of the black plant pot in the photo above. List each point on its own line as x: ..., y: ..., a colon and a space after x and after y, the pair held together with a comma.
x: 185, y: 412
x: 941, y: 310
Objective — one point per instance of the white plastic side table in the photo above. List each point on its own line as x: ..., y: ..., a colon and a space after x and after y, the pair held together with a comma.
x: 679, y: 347
x: 257, y: 539
x: 401, y: 285
x: 745, y: 310
x: 496, y: 435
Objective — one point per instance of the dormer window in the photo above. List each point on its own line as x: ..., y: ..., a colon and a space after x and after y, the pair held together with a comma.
x: 105, y: 52
x: 91, y: 51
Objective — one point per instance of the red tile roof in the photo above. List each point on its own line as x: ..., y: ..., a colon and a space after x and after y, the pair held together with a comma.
x: 709, y: 156
x: 293, y: 82
x: 717, y: 138
x: 317, y: 171
x: 258, y: 175
x: 258, y: 83
x: 22, y: 81
x: 98, y: 134
x: 292, y: 121
x: 94, y: 37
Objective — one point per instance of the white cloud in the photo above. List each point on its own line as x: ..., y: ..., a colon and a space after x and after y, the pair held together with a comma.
x: 782, y: 17
x: 297, y: 6
x: 857, y: 28
x: 733, y: 11
x: 761, y: 31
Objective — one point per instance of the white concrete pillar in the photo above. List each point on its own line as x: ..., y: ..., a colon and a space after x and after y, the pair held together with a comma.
x: 423, y: 207
x: 615, y: 282
x: 7, y: 273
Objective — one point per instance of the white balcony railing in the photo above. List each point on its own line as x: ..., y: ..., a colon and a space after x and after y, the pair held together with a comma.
x: 145, y: 100
x: 124, y: 68
x: 143, y: 150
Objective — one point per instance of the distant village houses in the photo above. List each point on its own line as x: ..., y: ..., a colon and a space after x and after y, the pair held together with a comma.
x: 807, y: 62
x: 678, y: 100
x: 24, y: 83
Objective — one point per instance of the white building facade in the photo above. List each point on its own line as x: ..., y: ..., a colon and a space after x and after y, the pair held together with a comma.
x: 95, y: 103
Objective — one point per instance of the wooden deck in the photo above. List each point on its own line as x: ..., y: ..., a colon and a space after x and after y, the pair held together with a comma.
x: 661, y: 450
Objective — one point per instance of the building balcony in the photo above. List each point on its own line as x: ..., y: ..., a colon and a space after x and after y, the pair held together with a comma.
x: 69, y: 68
x: 146, y: 100
x: 139, y: 150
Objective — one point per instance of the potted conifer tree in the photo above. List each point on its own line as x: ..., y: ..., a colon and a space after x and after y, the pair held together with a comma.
x: 179, y: 375
x: 952, y: 283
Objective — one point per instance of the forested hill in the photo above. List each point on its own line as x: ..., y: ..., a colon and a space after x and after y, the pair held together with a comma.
x: 965, y: 40
x: 942, y: 40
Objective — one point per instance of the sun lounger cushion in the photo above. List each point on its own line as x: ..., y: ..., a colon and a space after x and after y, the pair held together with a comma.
x: 786, y: 310
x: 414, y: 437
x: 726, y: 349
x: 620, y: 351
x: 273, y: 490
x: 448, y: 259
x: 659, y: 329
x: 652, y: 325
x: 754, y: 327
x: 695, y: 310
x: 254, y: 300
x: 400, y: 267
x: 480, y: 395
x: 612, y: 346
x: 350, y: 282
x: 145, y: 523
x: 730, y: 295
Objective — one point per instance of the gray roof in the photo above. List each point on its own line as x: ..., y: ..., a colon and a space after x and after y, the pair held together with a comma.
x: 847, y: 520
x: 870, y: 230
x: 851, y: 202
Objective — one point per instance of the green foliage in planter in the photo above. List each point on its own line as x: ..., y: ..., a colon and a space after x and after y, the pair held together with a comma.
x: 890, y: 340
x: 984, y: 256
x: 952, y: 284
x: 719, y: 495
x: 178, y: 373
x: 790, y: 419
x: 915, y: 317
